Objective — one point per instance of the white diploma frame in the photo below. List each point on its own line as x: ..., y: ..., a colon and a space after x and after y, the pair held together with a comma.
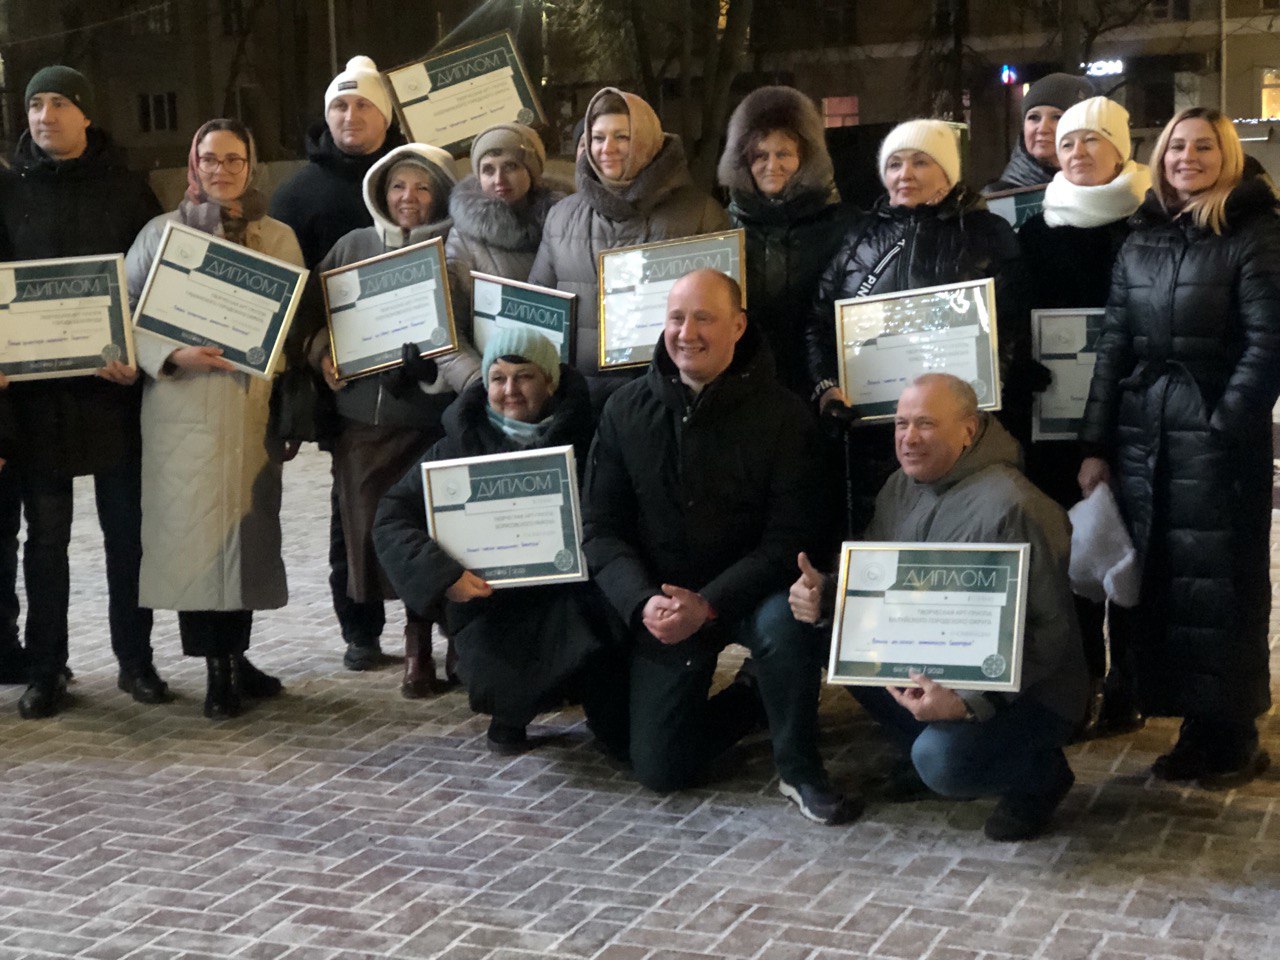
x: 635, y: 281
x: 1065, y: 341
x: 376, y: 306
x: 954, y: 612
x: 206, y: 291
x: 63, y: 318
x: 887, y: 340
x: 449, y: 98
x: 510, y: 518
x: 498, y: 303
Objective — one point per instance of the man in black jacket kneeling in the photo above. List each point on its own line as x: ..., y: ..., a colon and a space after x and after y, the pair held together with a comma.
x: 700, y: 491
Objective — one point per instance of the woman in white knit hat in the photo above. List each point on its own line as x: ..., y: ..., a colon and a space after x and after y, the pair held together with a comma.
x: 499, y: 210
x: 928, y: 229
x: 1070, y: 249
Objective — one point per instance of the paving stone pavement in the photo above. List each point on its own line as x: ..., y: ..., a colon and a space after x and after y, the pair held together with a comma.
x: 342, y: 821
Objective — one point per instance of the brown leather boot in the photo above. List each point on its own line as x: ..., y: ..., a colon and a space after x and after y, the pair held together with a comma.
x: 419, y: 666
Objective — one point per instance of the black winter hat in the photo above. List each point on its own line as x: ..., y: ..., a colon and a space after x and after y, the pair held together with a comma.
x: 1061, y: 90
x: 66, y: 81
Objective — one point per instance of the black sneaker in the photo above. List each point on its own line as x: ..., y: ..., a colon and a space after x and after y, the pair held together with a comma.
x: 1024, y: 816
x: 362, y: 656
x: 507, y: 739
x: 1238, y: 774
x: 256, y: 684
x: 144, y: 685
x: 820, y: 802
x: 43, y: 698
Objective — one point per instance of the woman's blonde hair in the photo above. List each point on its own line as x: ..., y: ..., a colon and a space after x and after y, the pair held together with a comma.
x: 1207, y: 209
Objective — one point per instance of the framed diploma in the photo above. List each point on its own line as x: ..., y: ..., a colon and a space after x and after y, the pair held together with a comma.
x: 63, y: 318
x: 498, y: 303
x: 378, y: 305
x: 511, y: 518
x: 1065, y: 341
x: 954, y: 612
x: 448, y: 98
x: 1017, y: 205
x: 635, y: 281
x: 888, y: 340
x: 206, y: 291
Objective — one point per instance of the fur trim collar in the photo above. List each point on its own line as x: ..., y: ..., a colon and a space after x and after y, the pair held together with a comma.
x: 495, y: 223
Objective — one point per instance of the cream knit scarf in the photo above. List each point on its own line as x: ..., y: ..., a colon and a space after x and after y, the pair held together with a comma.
x: 1066, y: 205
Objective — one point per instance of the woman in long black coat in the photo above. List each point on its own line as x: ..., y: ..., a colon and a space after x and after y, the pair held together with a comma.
x: 1180, y: 411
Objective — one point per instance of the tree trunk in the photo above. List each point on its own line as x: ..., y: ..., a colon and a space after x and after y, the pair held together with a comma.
x: 1072, y: 35
x: 719, y: 73
x: 644, y: 53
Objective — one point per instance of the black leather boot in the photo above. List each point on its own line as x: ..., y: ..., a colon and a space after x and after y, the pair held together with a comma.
x: 222, y: 698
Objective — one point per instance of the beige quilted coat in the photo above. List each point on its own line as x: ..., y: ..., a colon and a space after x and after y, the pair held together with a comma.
x: 210, y: 474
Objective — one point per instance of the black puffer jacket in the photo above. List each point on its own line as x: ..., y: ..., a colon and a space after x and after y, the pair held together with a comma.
x: 716, y: 496
x: 517, y: 648
x: 93, y: 204
x: 954, y: 240
x: 323, y: 201
x: 1188, y: 371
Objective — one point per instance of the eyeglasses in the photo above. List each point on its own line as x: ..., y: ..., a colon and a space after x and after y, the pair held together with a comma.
x: 209, y: 163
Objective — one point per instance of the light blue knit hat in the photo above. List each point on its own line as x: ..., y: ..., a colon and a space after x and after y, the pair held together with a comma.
x: 522, y: 342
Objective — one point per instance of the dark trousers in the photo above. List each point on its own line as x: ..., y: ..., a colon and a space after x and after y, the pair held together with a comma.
x: 10, y: 522
x: 214, y: 633
x: 1018, y: 751
x: 47, y: 500
x: 676, y: 731
x: 361, y: 623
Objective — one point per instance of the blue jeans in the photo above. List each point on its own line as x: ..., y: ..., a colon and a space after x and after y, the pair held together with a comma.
x: 1018, y: 751
x: 676, y: 731
x: 47, y: 500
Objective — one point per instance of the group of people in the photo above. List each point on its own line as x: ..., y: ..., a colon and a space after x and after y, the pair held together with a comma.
x: 711, y: 480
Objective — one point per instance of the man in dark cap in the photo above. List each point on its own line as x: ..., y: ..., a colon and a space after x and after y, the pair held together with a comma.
x: 1035, y: 159
x: 70, y: 194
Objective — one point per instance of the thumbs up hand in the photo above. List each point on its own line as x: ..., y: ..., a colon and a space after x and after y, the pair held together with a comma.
x: 806, y: 593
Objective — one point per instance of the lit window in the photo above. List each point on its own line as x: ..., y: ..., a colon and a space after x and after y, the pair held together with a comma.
x: 1270, y: 95
x: 840, y: 111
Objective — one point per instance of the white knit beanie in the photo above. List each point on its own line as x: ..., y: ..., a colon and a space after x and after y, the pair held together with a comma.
x: 1104, y: 117
x: 362, y: 78
x: 933, y: 137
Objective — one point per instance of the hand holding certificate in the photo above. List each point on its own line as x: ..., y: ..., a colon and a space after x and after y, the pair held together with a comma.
x: 378, y: 305
x: 888, y: 340
x: 65, y: 318
x: 952, y: 612
x: 206, y: 291
x: 511, y: 519
x: 635, y: 281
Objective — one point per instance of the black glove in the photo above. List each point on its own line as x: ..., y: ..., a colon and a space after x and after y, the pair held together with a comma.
x: 414, y: 369
x: 836, y: 418
x: 1030, y: 376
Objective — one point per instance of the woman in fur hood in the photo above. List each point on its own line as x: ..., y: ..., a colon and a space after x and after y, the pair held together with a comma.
x: 782, y: 192
x: 499, y: 210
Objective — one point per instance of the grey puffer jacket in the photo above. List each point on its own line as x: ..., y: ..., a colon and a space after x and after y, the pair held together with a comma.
x: 367, y: 400
x: 986, y: 499
x: 661, y: 203
x: 491, y: 236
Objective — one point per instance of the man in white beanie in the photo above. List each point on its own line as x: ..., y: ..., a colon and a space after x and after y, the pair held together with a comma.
x: 323, y: 202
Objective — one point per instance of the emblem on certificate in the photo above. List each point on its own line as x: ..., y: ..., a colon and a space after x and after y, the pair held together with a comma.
x: 206, y: 291
x: 1065, y: 341
x: 378, y: 305
x: 511, y: 518
x: 449, y: 98
x: 634, y: 282
x: 1018, y: 205
x: 889, y: 339
x: 954, y: 612
x: 63, y: 318
x: 498, y: 304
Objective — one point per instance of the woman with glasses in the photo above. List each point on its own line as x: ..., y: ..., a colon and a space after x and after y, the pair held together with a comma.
x: 211, y: 472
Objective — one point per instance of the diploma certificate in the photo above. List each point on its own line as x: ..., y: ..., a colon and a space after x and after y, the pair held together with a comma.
x: 888, y: 340
x: 63, y: 318
x: 500, y: 304
x: 449, y: 98
x: 635, y: 281
x: 378, y: 305
x: 511, y: 518
x: 1017, y: 206
x: 954, y: 612
x: 1065, y: 341
x: 206, y: 291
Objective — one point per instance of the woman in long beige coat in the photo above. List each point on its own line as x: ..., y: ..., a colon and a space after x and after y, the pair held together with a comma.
x: 211, y: 474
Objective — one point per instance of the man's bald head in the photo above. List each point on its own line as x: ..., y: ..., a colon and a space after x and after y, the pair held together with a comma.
x: 704, y: 323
